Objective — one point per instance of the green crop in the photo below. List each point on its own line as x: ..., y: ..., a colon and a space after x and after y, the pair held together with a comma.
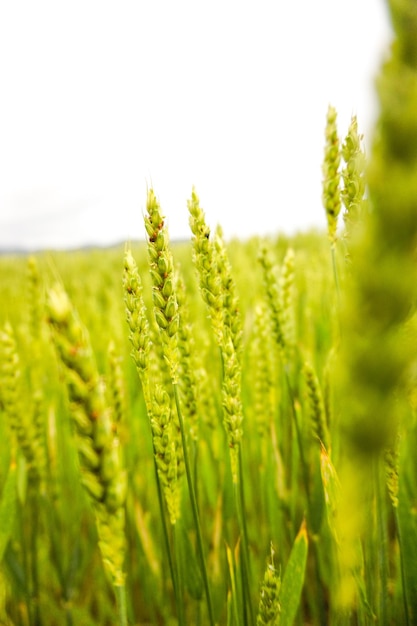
x: 223, y: 432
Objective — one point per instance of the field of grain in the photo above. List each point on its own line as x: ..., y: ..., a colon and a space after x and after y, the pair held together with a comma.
x: 214, y: 432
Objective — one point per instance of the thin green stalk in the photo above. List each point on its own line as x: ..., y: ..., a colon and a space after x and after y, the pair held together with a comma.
x: 305, y: 476
x: 178, y: 599
x: 240, y: 508
x: 242, y: 504
x: 195, y: 467
x: 179, y: 581
x: 232, y: 604
x: 121, y: 599
x: 51, y: 520
x: 245, y: 570
x: 68, y: 616
x: 403, y: 572
x: 382, y: 542
x: 299, y: 441
x: 335, y: 273
x: 25, y: 565
x: 194, y: 507
x: 33, y: 542
x: 338, y: 324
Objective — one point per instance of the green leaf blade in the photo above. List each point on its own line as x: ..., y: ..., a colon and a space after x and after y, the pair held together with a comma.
x: 8, y: 504
x: 293, y: 580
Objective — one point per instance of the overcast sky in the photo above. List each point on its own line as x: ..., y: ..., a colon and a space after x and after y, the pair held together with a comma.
x: 100, y: 99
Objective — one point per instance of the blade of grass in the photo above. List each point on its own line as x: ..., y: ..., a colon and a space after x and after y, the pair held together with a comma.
x: 232, y: 596
x: 407, y: 536
x: 293, y: 579
x: 8, y: 507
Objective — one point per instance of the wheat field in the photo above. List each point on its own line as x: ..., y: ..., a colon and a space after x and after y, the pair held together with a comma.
x: 223, y: 432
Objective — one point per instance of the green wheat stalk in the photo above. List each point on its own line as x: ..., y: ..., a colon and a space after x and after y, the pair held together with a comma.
x: 168, y: 320
x: 140, y: 339
x: 218, y: 291
x: 99, y: 452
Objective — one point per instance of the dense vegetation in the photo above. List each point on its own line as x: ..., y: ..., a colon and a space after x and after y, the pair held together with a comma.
x: 223, y: 433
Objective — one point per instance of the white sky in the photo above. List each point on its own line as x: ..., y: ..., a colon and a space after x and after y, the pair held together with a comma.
x: 100, y: 99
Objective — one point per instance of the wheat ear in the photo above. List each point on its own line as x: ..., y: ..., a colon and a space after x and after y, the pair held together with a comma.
x: 99, y: 450
x: 331, y: 174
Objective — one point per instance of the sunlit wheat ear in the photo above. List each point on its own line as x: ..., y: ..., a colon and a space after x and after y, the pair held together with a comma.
x: 328, y: 387
x: 137, y: 320
x: 264, y: 386
x: 115, y: 385
x: 34, y: 301
x: 35, y: 305
x: 391, y: 471
x: 165, y: 308
x: 274, y: 299
x: 165, y: 449
x: 139, y: 331
x: 147, y: 346
x: 286, y: 295
x: 187, y: 367
x: 269, y: 606
x: 18, y: 412
x: 218, y: 292
x: 99, y: 451
x: 163, y: 287
x: 159, y: 368
x: 164, y: 427
x: 232, y: 403
x: 331, y: 490
x: 205, y: 263
x: 331, y: 175
x: 230, y: 301
x: 231, y: 348
x: 316, y: 406
x: 353, y: 175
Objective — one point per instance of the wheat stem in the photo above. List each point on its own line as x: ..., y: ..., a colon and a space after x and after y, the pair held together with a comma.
x: 241, y: 518
x: 194, y: 507
x: 121, y: 598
